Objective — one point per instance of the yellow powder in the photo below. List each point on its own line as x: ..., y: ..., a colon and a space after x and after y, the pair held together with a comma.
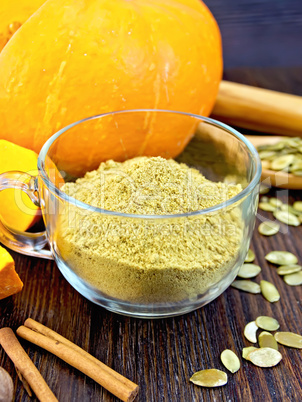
x: 149, y: 260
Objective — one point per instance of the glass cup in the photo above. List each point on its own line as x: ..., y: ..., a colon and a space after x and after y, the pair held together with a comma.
x: 147, y: 266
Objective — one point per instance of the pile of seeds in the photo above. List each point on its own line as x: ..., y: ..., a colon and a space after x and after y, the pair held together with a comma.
x: 285, y: 155
x: 285, y: 213
x: 288, y: 266
x: 248, y: 271
x: 266, y: 355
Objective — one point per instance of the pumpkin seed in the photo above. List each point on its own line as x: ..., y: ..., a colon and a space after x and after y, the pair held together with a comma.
x: 298, y: 206
x: 281, y: 258
x: 290, y: 209
x: 209, y: 378
x: 230, y: 360
x: 271, y: 147
x: 249, y: 271
x: 300, y: 218
x: 250, y: 256
x: 266, y: 206
x: 267, y: 155
x: 246, y: 286
x: 288, y: 269
x: 282, y: 162
x: 267, y: 323
x: 265, y: 357
x: 269, y: 291
x: 266, y: 340
x: 246, y: 351
x: 250, y: 331
x: 268, y: 228
x: 286, y: 217
x: 264, y: 199
x: 275, y: 202
x: 295, y: 167
x: 293, y: 279
x: 264, y: 189
x: 289, y: 339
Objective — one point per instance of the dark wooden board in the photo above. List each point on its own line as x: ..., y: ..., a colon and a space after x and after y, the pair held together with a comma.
x: 161, y: 355
x: 259, y: 33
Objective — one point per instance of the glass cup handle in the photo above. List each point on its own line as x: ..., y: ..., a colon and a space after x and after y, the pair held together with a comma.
x: 33, y: 244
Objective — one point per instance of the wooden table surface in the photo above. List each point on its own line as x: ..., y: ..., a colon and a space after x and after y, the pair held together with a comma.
x: 161, y: 355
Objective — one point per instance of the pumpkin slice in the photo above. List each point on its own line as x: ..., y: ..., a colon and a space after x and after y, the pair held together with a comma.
x: 10, y: 283
x: 16, y: 209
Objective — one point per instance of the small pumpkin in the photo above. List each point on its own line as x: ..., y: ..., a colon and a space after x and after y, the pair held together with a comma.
x: 74, y: 59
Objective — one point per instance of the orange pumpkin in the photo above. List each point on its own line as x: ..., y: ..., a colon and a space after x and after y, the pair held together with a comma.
x: 13, y: 14
x: 74, y: 59
x: 10, y: 283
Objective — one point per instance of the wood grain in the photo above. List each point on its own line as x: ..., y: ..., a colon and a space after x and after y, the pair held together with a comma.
x: 161, y: 355
x: 259, y: 33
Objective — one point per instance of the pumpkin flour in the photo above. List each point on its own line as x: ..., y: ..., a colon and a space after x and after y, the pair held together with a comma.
x: 149, y: 260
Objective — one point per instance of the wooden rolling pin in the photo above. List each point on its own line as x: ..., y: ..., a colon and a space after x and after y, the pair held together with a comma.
x: 259, y: 109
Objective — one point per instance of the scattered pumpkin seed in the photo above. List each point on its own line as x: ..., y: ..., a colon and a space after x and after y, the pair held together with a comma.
x: 264, y: 189
x: 250, y: 256
x: 281, y: 258
x: 267, y: 155
x: 296, y: 167
x: 290, y: 209
x: 246, y: 351
x: 268, y: 228
x: 230, y: 360
x: 293, y: 279
x: 266, y: 340
x: 288, y: 269
x: 250, y: 331
x: 247, y: 286
x: 282, y: 162
x: 248, y: 271
x: 286, y: 217
x: 289, y: 339
x: 269, y: 291
x: 275, y: 202
x: 209, y: 378
x: 267, y: 323
x: 264, y: 199
x: 265, y: 357
x: 298, y: 206
x: 266, y: 206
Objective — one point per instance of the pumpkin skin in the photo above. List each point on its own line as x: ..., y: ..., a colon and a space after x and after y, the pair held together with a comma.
x: 13, y: 14
x: 74, y: 59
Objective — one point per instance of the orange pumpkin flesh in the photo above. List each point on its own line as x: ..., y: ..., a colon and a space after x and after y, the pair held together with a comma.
x: 72, y: 60
x: 10, y: 283
x: 16, y: 209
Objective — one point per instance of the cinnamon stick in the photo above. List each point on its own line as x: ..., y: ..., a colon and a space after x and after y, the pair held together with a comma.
x: 65, y: 350
x: 25, y: 366
x: 42, y: 329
